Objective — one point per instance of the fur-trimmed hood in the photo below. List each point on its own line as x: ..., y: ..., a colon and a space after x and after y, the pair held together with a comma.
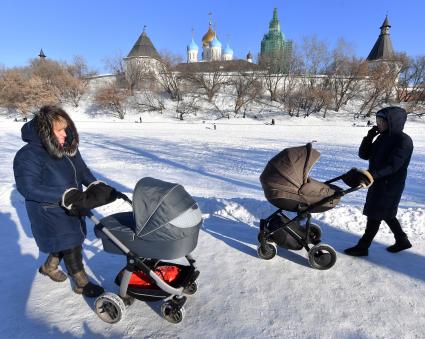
x: 40, y: 131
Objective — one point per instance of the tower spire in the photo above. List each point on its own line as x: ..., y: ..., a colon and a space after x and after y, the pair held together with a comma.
x: 210, y: 15
x: 41, y: 54
x: 383, y: 48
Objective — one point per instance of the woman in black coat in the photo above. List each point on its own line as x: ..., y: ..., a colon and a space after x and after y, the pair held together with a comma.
x: 49, y: 173
x: 389, y: 156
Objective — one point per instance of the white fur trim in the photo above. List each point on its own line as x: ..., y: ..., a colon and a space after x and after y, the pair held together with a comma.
x: 95, y: 183
x: 367, y: 175
x: 69, y: 207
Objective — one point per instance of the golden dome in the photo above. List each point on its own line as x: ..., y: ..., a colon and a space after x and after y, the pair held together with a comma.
x: 208, y: 37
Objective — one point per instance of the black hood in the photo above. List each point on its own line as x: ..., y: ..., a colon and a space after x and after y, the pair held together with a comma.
x: 39, y: 131
x: 396, y: 118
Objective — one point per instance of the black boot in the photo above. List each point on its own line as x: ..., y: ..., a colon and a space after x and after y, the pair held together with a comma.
x: 51, y: 269
x: 399, y: 245
x: 84, y: 286
x: 74, y: 264
x: 357, y: 251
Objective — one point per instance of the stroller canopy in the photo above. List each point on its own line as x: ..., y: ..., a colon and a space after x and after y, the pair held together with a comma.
x: 294, y: 164
x: 164, y: 224
x: 163, y: 210
x: 286, y: 182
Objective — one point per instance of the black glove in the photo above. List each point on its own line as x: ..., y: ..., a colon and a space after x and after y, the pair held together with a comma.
x: 355, y: 178
x: 373, y: 132
x: 98, y: 194
x: 75, y: 202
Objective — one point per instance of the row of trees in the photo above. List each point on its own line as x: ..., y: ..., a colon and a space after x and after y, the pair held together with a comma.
x: 43, y: 82
x: 315, y: 79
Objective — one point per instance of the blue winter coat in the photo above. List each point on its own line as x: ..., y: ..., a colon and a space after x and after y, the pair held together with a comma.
x: 389, y: 156
x: 42, y: 178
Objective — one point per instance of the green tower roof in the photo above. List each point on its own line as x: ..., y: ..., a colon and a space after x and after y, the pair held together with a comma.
x: 274, y: 39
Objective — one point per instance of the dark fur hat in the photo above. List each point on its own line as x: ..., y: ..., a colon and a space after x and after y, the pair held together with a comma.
x: 44, y: 124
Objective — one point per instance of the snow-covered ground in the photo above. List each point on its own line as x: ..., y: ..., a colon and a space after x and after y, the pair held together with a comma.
x: 240, y: 295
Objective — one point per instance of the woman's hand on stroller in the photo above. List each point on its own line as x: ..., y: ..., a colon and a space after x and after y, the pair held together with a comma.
x: 78, y: 203
x: 99, y: 194
x: 357, y: 178
x: 75, y: 202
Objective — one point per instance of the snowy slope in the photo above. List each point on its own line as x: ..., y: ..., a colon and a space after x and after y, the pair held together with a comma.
x: 240, y: 295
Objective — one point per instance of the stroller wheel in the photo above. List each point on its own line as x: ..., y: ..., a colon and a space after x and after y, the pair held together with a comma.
x: 172, y: 313
x: 109, y: 307
x: 268, y: 251
x: 192, y: 288
x: 322, y: 257
x: 315, y: 234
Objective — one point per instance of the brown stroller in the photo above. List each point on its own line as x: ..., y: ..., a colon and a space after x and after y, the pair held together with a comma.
x: 287, y: 185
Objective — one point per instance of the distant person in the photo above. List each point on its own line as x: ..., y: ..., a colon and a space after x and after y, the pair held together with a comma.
x: 273, y: 122
x: 389, y: 157
x: 49, y: 173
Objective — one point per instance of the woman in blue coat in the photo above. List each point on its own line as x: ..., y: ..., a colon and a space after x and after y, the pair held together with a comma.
x: 50, y: 173
x: 389, y: 157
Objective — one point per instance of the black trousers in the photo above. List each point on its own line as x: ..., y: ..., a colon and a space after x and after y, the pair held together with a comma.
x: 372, y: 228
x: 72, y: 258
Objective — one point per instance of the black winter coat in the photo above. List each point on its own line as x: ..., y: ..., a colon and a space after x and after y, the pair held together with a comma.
x: 42, y: 173
x: 389, y: 156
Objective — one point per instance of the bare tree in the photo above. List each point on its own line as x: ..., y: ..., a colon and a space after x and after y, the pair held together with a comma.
x: 315, y: 56
x: 112, y: 98
x: 65, y: 81
x: 21, y: 91
x: 210, y: 81
x: 115, y: 64
x: 379, y: 83
x: 187, y: 106
x: 313, y: 88
x: 139, y: 73
x: 411, y: 84
x: 345, y: 74
x: 279, y: 73
x: 148, y: 100
x: 247, y: 87
x: 79, y: 68
x: 273, y: 75
x: 79, y: 82
x: 170, y: 80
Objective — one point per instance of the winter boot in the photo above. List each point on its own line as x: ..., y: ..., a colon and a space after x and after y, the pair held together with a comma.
x: 399, y: 246
x: 51, y: 269
x: 357, y: 251
x: 84, y: 286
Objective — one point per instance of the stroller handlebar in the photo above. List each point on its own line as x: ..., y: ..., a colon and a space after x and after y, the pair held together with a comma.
x: 334, y: 179
x: 363, y: 179
x: 124, y: 197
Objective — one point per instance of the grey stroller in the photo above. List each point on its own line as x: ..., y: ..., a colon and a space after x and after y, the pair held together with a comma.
x: 288, y: 186
x: 164, y: 225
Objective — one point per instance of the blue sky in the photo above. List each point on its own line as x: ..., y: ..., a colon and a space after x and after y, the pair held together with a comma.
x: 99, y: 29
